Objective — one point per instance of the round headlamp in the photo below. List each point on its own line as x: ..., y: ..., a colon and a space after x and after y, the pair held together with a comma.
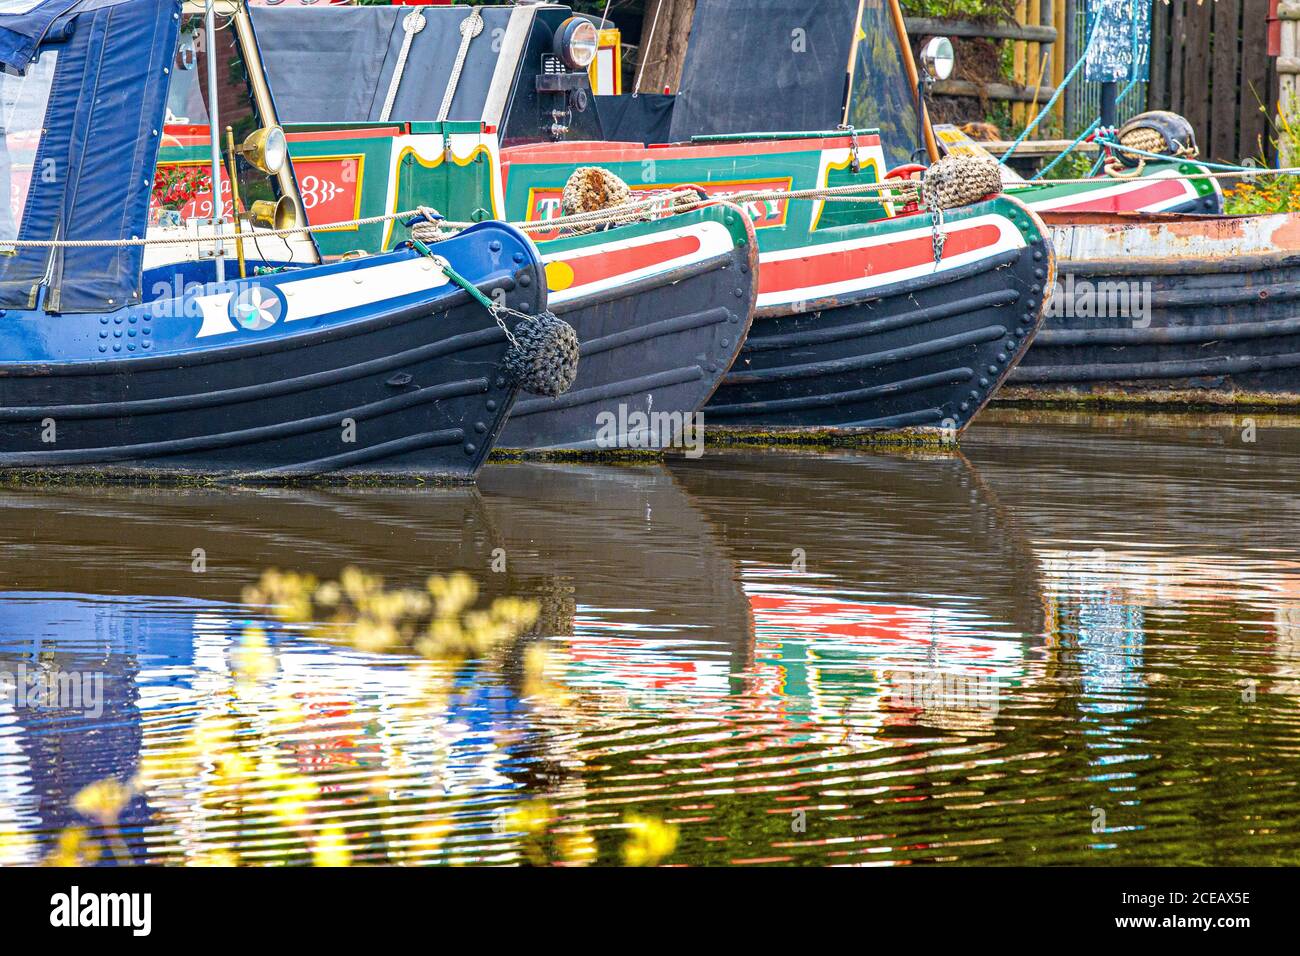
x: 576, y: 43
x: 267, y: 149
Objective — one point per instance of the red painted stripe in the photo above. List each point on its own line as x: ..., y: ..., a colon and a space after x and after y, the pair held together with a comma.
x: 587, y: 152
x: 616, y: 262
x: 848, y: 264
x: 1134, y: 200
x: 342, y: 132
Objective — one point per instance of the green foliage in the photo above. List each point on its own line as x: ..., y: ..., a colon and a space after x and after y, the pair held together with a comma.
x: 961, y: 9
x: 1075, y: 166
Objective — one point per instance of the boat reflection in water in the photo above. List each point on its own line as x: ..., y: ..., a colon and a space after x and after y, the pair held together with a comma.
x: 821, y: 657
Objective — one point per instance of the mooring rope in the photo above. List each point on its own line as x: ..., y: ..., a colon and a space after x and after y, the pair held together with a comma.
x: 897, y: 191
x: 470, y: 27
x: 411, y: 25
x: 878, y: 192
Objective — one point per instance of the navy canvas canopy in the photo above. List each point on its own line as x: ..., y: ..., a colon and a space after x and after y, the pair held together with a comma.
x: 335, y: 64
x: 92, y: 177
x: 764, y: 66
x: 767, y: 66
x: 22, y: 32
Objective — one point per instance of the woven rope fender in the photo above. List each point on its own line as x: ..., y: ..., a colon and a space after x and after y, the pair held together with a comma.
x: 592, y: 189
x: 1157, y: 131
x: 960, y: 181
x: 543, y: 359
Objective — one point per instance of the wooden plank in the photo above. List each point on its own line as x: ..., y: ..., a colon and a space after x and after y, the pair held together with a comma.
x: 1253, y: 108
x: 927, y: 26
x: 1286, y: 98
x: 1196, y: 69
x: 1177, y: 44
x: 1158, y: 77
x: 1224, y: 80
x: 1019, y: 73
x: 993, y: 91
x: 1058, y: 57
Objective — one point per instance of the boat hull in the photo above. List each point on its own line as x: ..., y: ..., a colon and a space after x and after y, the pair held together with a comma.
x: 1217, y: 320
x: 407, y: 383
x: 917, y: 348
x: 654, y: 346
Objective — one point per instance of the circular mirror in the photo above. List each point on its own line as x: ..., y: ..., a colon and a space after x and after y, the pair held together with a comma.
x: 938, y: 58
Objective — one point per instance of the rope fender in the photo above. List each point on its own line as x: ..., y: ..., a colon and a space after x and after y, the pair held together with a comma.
x: 543, y: 353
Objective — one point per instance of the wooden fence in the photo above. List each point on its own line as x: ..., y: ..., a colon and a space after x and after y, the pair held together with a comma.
x: 1210, y: 62
x: 1288, y: 76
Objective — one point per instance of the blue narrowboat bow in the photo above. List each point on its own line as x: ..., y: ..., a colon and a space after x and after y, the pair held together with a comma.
x: 119, y: 356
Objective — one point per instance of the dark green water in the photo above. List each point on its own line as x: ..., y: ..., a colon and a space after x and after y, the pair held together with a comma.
x: 1077, y: 641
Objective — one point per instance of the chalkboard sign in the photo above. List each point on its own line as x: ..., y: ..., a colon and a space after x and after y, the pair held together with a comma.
x: 1121, y: 50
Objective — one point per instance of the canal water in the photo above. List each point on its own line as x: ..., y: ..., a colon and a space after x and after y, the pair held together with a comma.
x: 1077, y: 640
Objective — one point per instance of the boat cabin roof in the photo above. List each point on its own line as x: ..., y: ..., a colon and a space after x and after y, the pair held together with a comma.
x: 336, y: 64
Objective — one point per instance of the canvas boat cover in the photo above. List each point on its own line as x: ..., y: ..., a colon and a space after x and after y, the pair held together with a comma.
x: 334, y: 64
x: 91, y: 176
x: 765, y: 66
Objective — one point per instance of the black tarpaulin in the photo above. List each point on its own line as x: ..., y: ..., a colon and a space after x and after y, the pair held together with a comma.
x: 775, y: 66
x: 646, y: 118
x: 335, y: 64
x: 764, y: 66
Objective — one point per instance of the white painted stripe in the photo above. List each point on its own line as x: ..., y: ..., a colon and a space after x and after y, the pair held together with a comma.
x: 319, y: 295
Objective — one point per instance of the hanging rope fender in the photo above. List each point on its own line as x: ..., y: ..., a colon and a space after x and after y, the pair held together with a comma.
x: 470, y: 27
x: 543, y: 353
x: 412, y: 25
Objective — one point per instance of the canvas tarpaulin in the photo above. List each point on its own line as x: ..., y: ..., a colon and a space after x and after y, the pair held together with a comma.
x: 335, y: 64
x: 92, y: 175
x: 769, y: 66
x: 763, y: 66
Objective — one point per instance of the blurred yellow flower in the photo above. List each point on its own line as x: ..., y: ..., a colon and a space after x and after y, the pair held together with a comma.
x: 649, y: 841
x: 103, y: 800
x: 330, y: 848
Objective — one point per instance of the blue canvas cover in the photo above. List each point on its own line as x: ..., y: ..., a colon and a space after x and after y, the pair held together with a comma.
x: 22, y: 32
x: 93, y: 172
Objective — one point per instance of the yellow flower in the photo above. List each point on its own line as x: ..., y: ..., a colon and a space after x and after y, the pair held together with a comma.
x: 15, y: 847
x: 103, y: 801
x: 531, y: 816
x: 74, y: 848
x: 252, y: 659
x: 649, y: 841
x: 222, y: 858
x: 331, y: 848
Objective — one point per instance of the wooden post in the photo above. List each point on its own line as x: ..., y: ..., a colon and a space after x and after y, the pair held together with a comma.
x: 1058, y: 57
x: 1019, y: 73
x: 665, y: 31
x: 1288, y: 67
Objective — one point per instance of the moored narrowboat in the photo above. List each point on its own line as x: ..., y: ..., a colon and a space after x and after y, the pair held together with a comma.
x: 660, y: 307
x: 872, y: 314
x: 1159, y: 298
x: 220, y: 344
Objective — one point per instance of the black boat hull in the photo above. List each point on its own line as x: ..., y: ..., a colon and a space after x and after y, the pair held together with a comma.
x: 655, y: 346
x: 411, y: 390
x: 1205, y: 311
x: 925, y: 353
